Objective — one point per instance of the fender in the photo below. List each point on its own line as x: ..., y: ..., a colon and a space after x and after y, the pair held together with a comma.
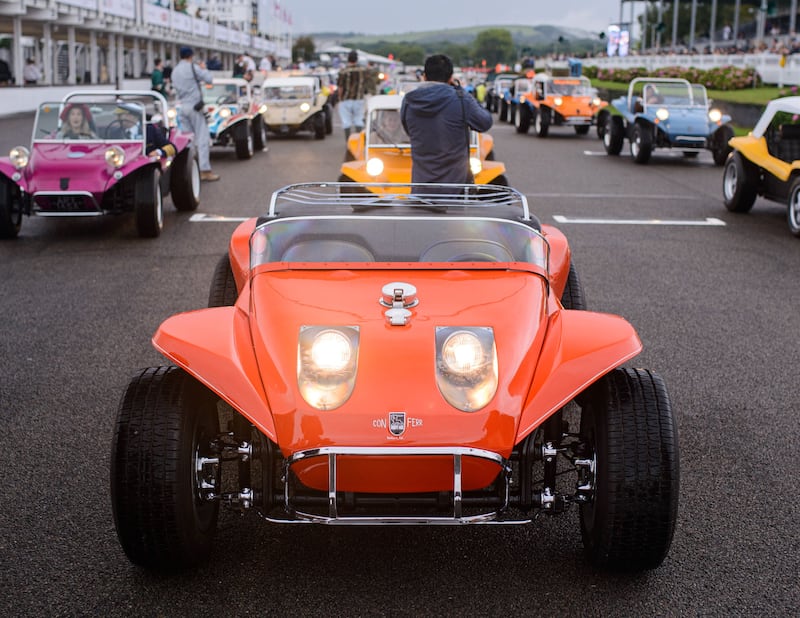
x: 560, y: 258
x: 754, y: 149
x: 579, y: 348
x: 214, y: 346
x: 489, y: 171
x: 8, y: 170
x: 239, y: 251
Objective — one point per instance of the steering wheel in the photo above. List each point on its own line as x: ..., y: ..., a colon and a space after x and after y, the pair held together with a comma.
x: 107, y: 133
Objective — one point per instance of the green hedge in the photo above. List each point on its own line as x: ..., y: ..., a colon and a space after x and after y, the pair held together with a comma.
x: 719, y: 78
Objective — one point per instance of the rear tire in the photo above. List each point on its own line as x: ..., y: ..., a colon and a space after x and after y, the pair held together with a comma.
x: 631, y: 434
x: 166, y: 423
x: 223, y: 292
x: 259, y: 133
x: 148, y: 203
x: 739, y: 183
x: 10, y: 209
x: 720, y: 149
x: 573, y: 297
x: 184, y: 181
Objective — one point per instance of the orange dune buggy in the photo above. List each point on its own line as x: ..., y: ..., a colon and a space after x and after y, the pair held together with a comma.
x: 558, y: 101
x: 382, y: 151
x: 388, y: 358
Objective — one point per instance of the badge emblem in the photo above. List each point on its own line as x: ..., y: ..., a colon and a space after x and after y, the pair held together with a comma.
x: 397, y: 423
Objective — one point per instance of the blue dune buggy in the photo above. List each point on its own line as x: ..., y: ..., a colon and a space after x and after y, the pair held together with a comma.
x: 665, y: 113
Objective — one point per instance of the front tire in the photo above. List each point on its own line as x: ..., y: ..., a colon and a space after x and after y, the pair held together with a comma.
x: 10, y: 209
x: 184, y: 181
x: 163, y: 512
x: 739, y: 188
x: 573, y: 297
x: 541, y: 122
x: 243, y: 140
x: 148, y: 204
x: 522, y: 121
x: 631, y: 435
x: 641, y: 143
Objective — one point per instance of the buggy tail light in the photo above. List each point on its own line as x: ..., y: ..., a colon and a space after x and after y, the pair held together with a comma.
x: 466, y: 366
x: 327, y: 358
x: 20, y: 156
x: 375, y: 167
x: 115, y: 156
x: 475, y: 165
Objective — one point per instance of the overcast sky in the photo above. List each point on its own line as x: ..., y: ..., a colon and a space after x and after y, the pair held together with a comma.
x: 398, y: 16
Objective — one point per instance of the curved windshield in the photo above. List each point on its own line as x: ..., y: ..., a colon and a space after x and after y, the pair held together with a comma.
x: 286, y: 93
x: 80, y: 121
x: 219, y: 94
x: 397, y: 240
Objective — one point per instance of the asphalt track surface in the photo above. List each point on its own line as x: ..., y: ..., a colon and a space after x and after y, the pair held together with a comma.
x: 714, y: 301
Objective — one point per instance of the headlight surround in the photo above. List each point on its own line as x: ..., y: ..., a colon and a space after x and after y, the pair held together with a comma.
x: 558, y: 101
x: 475, y: 165
x: 115, y: 156
x: 374, y: 166
x: 327, y: 359
x: 714, y: 115
x: 20, y: 156
x: 466, y: 366
x: 662, y: 113
x: 304, y: 107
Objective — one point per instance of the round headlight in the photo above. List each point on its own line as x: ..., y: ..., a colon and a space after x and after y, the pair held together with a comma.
x: 263, y: 109
x: 20, y: 156
x: 115, y: 156
x: 331, y: 351
x: 374, y: 167
x: 558, y: 100
x: 224, y: 112
x: 475, y: 165
x: 462, y: 353
x: 304, y: 107
x: 714, y: 115
x: 596, y: 102
x: 662, y: 113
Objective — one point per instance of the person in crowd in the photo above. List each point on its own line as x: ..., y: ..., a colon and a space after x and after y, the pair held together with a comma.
x: 245, y: 67
x: 353, y: 83
x: 157, y: 82
x: 187, y: 78
x: 438, y: 116
x: 76, y: 123
x: 5, y: 73
x: 265, y: 66
x: 31, y: 74
x: 214, y: 63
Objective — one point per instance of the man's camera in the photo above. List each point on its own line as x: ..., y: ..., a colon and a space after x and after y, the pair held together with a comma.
x: 198, y: 107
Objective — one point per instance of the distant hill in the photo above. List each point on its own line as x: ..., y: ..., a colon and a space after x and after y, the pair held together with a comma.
x: 523, y: 36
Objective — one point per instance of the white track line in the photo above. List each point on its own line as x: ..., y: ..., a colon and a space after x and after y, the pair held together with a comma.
x: 708, y: 221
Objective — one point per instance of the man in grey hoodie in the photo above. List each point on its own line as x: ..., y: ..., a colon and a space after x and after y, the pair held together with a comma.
x: 437, y: 117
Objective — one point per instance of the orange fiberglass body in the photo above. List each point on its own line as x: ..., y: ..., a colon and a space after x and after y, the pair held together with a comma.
x: 381, y: 153
x: 387, y: 358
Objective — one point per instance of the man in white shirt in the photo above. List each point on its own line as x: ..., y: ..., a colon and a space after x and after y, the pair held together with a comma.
x: 31, y: 73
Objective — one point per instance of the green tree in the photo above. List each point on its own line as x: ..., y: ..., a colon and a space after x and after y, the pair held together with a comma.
x: 303, y: 49
x: 494, y: 45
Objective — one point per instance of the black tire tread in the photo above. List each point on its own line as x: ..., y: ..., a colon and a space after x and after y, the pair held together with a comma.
x: 223, y: 292
x: 640, y: 474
